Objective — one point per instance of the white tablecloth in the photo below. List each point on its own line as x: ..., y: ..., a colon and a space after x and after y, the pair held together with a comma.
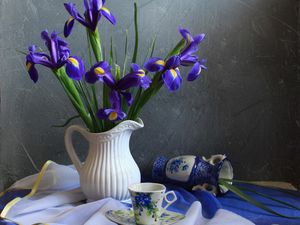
x: 56, y: 198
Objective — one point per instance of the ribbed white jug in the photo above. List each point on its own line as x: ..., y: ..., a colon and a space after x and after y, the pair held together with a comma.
x: 109, y: 167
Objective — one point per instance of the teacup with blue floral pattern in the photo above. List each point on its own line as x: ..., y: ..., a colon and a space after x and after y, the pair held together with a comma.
x: 147, y: 199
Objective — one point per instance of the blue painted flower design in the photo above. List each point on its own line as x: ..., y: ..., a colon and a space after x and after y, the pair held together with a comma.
x: 178, y: 165
x: 185, y: 167
x: 143, y: 201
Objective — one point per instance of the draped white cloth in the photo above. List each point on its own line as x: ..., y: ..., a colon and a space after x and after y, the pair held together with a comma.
x: 58, y: 200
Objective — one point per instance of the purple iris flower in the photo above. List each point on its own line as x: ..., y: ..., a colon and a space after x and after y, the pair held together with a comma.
x: 114, y: 113
x: 171, y: 74
x: 58, y: 57
x: 134, y: 79
x: 94, y: 9
x: 196, y: 70
x: 100, y: 71
x: 137, y: 78
x: 170, y: 68
x: 187, y: 56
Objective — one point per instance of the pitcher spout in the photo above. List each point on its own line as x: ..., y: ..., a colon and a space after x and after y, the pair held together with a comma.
x: 130, y: 125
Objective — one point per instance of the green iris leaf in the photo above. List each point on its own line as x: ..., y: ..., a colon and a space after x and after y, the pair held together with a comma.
x: 251, y: 200
x: 136, y: 44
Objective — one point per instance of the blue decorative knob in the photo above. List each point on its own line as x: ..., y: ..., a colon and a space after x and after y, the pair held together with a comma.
x: 193, y: 172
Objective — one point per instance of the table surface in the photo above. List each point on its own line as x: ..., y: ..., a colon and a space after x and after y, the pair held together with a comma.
x: 233, y: 203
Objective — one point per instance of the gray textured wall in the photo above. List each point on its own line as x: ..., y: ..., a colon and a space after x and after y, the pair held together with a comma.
x: 246, y: 105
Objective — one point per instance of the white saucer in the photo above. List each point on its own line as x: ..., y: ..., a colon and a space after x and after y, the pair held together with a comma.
x: 126, y: 217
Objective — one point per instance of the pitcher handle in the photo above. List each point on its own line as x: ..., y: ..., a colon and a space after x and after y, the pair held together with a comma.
x: 69, y: 144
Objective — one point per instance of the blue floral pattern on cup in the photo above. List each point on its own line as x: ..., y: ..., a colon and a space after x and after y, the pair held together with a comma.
x: 143, y: 201
x: 199, y: 173
x: 178, y: 165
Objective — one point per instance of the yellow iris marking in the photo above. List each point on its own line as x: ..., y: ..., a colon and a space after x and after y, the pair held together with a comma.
x: 188, y: 38
x: 99, y: 71
x: 173, y: 72
x: 69, y: 20
x: 106, y: 10
x: 141, y: 73
x: 160, y: 62
x: 113, y: 116
x: 199, y: 71
x: 73, y: 61
x: 28, y: 66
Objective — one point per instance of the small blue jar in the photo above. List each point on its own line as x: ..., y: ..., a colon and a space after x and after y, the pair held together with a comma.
x: 193, y: 172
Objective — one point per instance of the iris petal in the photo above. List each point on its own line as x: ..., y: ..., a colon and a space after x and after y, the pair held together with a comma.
x: 202, y: 61
x: 188, y: 60
x: 190, y: 49
x: 68, y: 26
x: 109, y: 80
x: 172, y: 79
x: 72, y: 10
x: 39, y: 58
x: 128, y: 97
x: 46, y: 38
x: 173, y: 62
x: 32, y: 71
x: 135, y: 67
x: 97, y: 4
x: 32, y: 48
x: 186, y: 34
x: 75, y: 68
x: 145, y: 82
x: 107, y: 14
x: 86, y: 4
x: 122, y: 115
x: 155, y: 64
x: 128, y: 81
x: 103, y: 113
x: 134, y: 79
x: 115, y: 100
x: 195, y: 72
x: 53, y: 50
x: 90, y: 77
x: 198, y: 38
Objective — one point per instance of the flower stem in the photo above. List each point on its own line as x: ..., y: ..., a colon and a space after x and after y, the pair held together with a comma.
x: 95, y: 41
x: 74, y: 97
x: 96, y: 123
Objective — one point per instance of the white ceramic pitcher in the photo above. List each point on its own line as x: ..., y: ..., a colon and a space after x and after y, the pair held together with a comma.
x: 109, y: 167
